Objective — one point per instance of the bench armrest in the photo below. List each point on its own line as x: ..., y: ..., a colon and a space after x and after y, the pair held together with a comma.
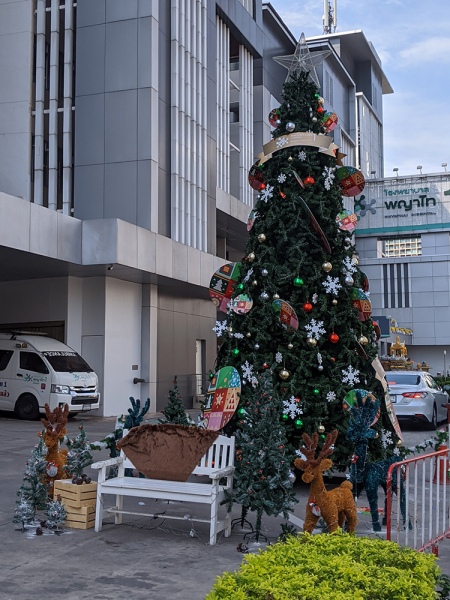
x: 110, y: 462
x: 227, y: 471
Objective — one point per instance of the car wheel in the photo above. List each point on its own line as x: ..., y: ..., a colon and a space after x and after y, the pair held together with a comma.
x: 27, y: 407
x: 433, y: 423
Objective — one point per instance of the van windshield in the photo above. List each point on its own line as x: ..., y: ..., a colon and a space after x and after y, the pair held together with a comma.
x: 67, y: 362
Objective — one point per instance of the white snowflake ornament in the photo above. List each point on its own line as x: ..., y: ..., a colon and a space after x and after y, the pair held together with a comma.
x: 350, y: 376
x: 278, y: 357
x: 329, y: 176
x: 220, y: 328
x: 331, y: 285
x: 247, y: 371
x: 315, y: 298
x: 331, y: 396
x: 302, y: 155
x: 281, y: 178
x: 292, y: 407
x: 315, y: 329
x: 266, y: 193
x: 254, y: 381
x: 249, y: 274
x: 349, y: 266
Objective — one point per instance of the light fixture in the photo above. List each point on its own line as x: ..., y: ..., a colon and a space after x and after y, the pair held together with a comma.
x: 419, y: 168
x: 111, y: 267
x: 445, y: 166
x: 395, y: 169
x: 373, y: 173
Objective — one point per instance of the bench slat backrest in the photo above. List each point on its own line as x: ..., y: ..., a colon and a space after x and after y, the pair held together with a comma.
x: 218, y: 456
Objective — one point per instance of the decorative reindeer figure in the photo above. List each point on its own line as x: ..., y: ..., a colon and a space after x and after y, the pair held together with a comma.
x: 54, y: 432
x: 370, y: 475
x: 334, y: 506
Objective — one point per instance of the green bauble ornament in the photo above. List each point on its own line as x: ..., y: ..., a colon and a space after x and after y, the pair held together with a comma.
x: 236, y: 351
x: 298, y: 282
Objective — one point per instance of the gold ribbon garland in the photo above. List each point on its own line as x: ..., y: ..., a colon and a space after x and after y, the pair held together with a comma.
x: 323, y: 142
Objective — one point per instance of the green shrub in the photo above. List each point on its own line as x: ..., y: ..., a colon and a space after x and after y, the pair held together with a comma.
x: 331, y: 567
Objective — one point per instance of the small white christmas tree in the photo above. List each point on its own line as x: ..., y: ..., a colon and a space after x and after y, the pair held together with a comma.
x: 24, y: 513
x: 56, y: 514
x: 35, y: 488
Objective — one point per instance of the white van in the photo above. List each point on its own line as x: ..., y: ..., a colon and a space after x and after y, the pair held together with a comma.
x: 36, y: 370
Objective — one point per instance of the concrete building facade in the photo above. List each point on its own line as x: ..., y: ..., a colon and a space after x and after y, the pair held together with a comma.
x: 127, y: 130
x: 403, y: 243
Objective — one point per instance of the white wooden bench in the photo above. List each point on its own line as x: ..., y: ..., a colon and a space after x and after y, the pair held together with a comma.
x: 216, y: 463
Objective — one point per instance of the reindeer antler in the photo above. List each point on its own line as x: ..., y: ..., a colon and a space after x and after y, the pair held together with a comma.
x: 56, y: 419
x: 310, y: 447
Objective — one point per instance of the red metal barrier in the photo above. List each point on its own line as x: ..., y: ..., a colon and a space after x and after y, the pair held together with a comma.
x: 427, y: 515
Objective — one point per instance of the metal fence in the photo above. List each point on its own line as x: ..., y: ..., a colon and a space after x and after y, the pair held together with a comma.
x: 419, y: 515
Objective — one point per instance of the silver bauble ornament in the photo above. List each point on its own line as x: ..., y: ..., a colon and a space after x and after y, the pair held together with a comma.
x: 292, y: 477
x: 230, y: 329
x: 314, y: 119
x: 355, y: 260
x: 327, y: 266
x: 398, y: 443
x: 290, y: 126
x: 334, y: 301
x: 290, y: 159
x: 256, y: 346
x: 290, y: 346
x: 261, y: 238
x: 375, y: 437
x: 254, y: 282
x: 349, y: 280
x: 320, y: 101
x: 321, y: 428
x: 264, y: 272
x: 320, y: 368
x: 251, y: 257
x: 264, y: 296
x: 249, y: 335
x: 276, y: 297
x: 311, y: 341
x: 363, y: 340
x: 277, y: 123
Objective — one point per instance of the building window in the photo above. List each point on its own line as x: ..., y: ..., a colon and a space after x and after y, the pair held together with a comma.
x: 328, y: 88
x: 396, y: 286
x: 410, y: 246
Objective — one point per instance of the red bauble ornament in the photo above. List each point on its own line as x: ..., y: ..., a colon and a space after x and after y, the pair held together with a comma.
x: 262, y: 186
x: 265, y: 366
x: 282, y: 195
x: 333, y: 359
x: 309, y: 180
x: 307, y: 307
x: 334, y: 338
x: 320, y: 110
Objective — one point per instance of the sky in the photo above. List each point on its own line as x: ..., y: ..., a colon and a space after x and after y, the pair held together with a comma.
x: 412, y: 38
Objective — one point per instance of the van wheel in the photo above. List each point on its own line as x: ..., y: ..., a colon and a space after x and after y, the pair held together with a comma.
x: 27, y: 407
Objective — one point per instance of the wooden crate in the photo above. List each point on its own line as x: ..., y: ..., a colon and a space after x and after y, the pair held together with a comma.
x: 76, y: 496
x: 80, y: 518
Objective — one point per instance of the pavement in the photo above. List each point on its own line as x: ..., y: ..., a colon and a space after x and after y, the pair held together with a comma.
x: 142, y: 558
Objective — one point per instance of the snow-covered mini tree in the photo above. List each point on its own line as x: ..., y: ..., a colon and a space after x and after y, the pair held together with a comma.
x: 56, y: 514
x: 35, y: 488
x: 24, y: 513
x: 79, y: 454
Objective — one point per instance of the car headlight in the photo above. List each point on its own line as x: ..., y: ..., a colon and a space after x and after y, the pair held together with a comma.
x: 60, y: 389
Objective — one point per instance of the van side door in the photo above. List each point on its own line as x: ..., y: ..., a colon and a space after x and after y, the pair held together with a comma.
x: 7, y: 399
x: 33, y: 376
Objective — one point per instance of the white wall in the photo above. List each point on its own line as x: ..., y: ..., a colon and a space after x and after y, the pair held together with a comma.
x: 122, y: 350
x: 15, y: 69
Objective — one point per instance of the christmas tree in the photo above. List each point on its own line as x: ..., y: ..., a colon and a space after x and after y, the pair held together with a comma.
x: 35, y: 488
x: 79, y: 454
x: 263, y: 480
x: 301, y: 273
x: 56, y: 514
x: 174, y: 411
x: 24, y: 512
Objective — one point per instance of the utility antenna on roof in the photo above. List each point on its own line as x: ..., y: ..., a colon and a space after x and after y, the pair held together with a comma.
x: 329, y: 16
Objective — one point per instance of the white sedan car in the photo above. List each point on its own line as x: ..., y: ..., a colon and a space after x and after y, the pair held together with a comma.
x: 417, y: 397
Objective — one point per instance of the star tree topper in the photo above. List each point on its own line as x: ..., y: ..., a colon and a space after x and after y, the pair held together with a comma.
x: 302, y: 60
